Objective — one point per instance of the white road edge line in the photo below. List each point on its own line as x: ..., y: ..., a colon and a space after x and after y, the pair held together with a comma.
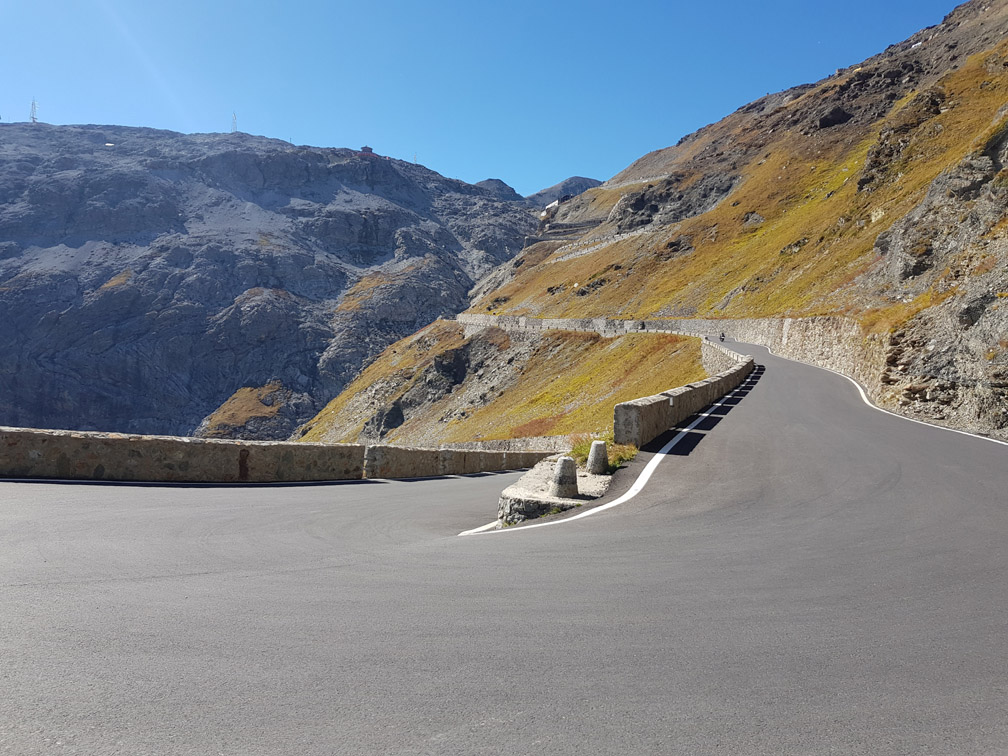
x: 636, y: 488
x: 864, y: 397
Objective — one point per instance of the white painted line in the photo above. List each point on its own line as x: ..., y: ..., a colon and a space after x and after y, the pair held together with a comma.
x: 868, y: 401
x: 480, y: 529
x: 635, y: 489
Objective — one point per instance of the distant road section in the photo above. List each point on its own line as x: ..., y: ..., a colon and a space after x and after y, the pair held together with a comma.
x: 802, y: 574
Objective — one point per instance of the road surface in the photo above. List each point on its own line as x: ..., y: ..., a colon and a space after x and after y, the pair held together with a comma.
x: 804, y: 574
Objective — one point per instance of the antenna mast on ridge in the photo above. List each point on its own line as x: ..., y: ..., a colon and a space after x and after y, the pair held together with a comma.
x: 34, y: 111
x: 234, y: 122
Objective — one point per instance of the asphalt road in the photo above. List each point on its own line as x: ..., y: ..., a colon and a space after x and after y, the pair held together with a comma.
x: 813, y: 576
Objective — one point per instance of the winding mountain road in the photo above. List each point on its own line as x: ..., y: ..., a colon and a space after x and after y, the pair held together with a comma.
x: 802, y: 574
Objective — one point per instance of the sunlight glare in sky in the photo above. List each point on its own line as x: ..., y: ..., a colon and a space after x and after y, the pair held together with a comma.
x: 530, y: 93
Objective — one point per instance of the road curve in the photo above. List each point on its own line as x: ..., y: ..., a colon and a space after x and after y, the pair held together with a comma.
x: 803, y: 574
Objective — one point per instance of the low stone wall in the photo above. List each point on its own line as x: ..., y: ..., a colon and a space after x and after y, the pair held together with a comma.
x: 73, y: 455
x: 473, y: 323
x: 462, y: 462
x: 716, y: 358
x: 401, y: 462
x: 528, y: 443
x: 80, y: 455
x: 639, y: 421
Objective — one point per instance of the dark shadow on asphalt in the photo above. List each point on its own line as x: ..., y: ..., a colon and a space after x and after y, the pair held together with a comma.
x: 721, y: 411
x: 169, y: 484
x: 465, y: 475
x: 687, y: 444
x: 714, y: 415
x: 274, y: 484
x: 708, y: 422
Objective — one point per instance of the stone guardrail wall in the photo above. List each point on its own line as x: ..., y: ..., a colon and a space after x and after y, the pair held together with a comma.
x: 81, y: 455
x: 473, y: 323
x: 639, y: 421
x: 527, y: 443
x: 400, y: 462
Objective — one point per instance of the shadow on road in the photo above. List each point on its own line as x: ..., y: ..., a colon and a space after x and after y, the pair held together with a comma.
x: 712, y: 416
x: 170, y: 484
x: 269, y: 484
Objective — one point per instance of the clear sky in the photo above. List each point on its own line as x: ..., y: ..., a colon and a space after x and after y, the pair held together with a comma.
x: 528, y: 92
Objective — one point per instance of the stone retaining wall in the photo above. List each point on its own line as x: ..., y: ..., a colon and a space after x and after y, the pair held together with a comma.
x: 528, y: 443
x: 837, y: 343
x: 401, y: 462
x: 79, y: 455
x: 639, y: 421
x: 716, y: 358
x: 73, y: 455
x: 474, y: 323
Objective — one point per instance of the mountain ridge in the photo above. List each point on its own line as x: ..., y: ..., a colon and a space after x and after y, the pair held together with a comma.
x: 147, y: 275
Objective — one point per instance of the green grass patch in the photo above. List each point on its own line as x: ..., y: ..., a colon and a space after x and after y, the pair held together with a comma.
x: 618, y: 454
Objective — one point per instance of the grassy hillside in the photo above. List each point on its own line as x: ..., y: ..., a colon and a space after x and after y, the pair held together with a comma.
x: 798, y: 230
x: 439, y: 387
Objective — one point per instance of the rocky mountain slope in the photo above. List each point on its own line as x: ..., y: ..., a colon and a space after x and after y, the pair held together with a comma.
x: 567, y: 188
x: 879, y: 194
x: 147, y: 278
x: 439, y: 386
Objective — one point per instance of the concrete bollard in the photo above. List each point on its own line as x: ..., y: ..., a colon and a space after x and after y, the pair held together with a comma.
x: 564, y: 485
x: 598, y: 458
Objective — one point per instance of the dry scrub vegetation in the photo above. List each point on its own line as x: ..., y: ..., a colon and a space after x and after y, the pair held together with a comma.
x: 556, y: 383
x: 817, y: 233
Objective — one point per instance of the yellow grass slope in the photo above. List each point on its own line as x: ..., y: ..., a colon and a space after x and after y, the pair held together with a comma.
x: 817, y: 234
x: 556, y: 383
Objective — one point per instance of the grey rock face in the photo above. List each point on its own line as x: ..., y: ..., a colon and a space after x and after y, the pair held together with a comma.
x: 145, y: 276
x: 670, y: 200
x: 950, y: 362
x: 570, y: 187
x: 499, y: 190
x: 852, y: 98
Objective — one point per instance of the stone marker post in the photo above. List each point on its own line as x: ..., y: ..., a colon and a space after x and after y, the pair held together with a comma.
x: 598, y: 458
x: 564, y: 485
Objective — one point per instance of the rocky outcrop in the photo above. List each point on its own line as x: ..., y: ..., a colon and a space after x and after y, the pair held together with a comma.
x: 492, y: 363
x: 147, y: 276
x: 948, y: 362
x: 852, y: 99
x: 670, y: 200
x: 567, y: 188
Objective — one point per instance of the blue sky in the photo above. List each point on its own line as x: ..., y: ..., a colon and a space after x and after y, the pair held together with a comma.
x: 526, y: 92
